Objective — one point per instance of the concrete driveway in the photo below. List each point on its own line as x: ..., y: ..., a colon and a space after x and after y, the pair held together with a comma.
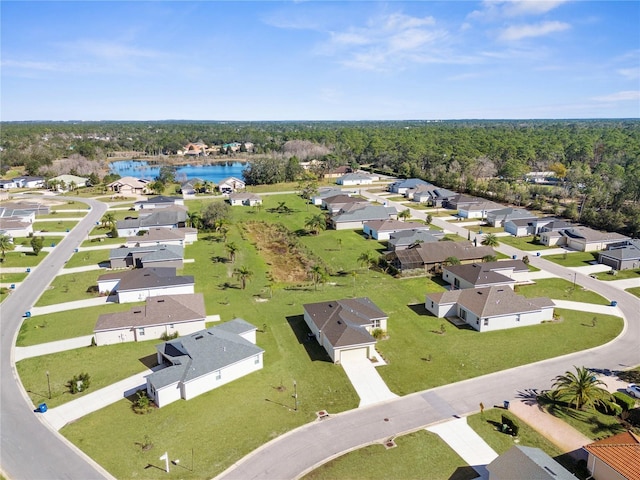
x: 368, y: 384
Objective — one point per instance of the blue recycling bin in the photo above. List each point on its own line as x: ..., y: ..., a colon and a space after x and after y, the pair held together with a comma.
x: 515, y: 257
x: 614, y: 303
x: 27, y: 314
x: 67, y: 230
x: 506, y: 404
x: 42, y: 408
x: 53, y: 244
x: 75, y: 250
x: 28, y: 270
x: 537, y: 254
x: 13, y: 286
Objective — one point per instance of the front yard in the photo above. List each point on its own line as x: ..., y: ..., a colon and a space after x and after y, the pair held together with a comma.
x: 573, y: 259
x: 562, y: 290
x: 71, y: 287
x: 528, y: 244
x: 55, y: 226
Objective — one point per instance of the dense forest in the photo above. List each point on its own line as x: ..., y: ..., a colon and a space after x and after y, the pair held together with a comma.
x: 596, y: 162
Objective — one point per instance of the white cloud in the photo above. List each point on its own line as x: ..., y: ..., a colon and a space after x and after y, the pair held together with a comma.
x: 108, y: 50
x: 629, y: 73
x: 492, y: 10
x: 518, y: 32
x: 625, y: 96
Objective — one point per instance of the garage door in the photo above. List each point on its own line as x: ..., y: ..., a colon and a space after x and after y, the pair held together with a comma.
x: 353, y: 354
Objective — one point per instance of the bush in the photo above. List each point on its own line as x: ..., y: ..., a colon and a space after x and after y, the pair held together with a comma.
x: 79, y: 383
x: 609, y: 408
x: 624, y: 400
x: 143, y: 403
x: 165, y: 337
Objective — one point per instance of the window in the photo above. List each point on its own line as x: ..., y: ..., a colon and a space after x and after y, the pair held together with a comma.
x: 376, y: 323
x: 486, y: 322
x: 256, y: 360
x: 518, y: 318
x: 432, y: 304
x: 463, y: 314
x: 171, y: 325
x: 218, y: 375
x: 141, y: 332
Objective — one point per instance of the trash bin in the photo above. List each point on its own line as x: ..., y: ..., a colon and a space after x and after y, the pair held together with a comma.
x: 28, y: 270
x: 27, y: 314
x: 42, y: 408
x: 13, y: 286
x: 506, y: 404
x: 614, y: 303
x: 537, y: 254
x: 515, y: 257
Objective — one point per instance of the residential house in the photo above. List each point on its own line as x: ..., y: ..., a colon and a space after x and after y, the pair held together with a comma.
x: 356, y: 178
x: 245, y: 199
x: 478, y: 210
x: 622, y: 257
x: 344, y: 327
x: 527, y: 462
x: 491, y: 308
x: 480, y: 275
x: 159, y: 201
x: 541, y: 177
x: 150, y: 256
x: 615, y: 458
x: 162, y: 315
x: 168, y: 217
x: 195, y: 149
x: 431, y: 195
x: 129, y: 186
x: 429, y: 257
x: 160, y: 236
x: 359, y: 215
x: 401, y: 186
x: 23, y: 209
x: 336, y: 203
x: 498, y: 218
x: 318, y: 198
x: 408, y: 238
x: 202, y: 361
x: 230, y: 185
x: 586, y: 239
x: 337, y: 172
x: 549, y: 224
x: 520, y: 227
x: 8, y: 184
x: 188, y: 188
x: 139, y: 284
x: 14, y: 227
x: 462, y: 201
x: 383, y: 229
x: 26, y: 181
x: 65, y: 183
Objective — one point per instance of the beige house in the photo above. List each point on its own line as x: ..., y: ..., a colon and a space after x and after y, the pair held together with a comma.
x: 582, y: 239
x: 129, y: 185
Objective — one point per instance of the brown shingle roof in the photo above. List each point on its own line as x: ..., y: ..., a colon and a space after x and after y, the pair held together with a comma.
x: 620, y: 452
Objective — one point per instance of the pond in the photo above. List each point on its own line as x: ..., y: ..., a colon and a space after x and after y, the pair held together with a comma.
x: 213, y: 173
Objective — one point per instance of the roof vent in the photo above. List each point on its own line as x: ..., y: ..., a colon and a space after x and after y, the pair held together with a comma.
x: 137, y: 311
x: 161, y: 301
x: 199, y: 337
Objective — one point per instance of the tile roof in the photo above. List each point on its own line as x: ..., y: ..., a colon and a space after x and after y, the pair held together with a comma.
x: 620, y: 452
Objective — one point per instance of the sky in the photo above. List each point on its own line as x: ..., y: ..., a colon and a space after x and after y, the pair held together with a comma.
x: 319, y: 60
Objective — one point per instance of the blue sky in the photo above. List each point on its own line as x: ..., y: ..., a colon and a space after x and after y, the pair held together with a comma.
x: 306, y: 60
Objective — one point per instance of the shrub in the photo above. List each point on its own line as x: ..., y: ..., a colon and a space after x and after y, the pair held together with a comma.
x: 165, y: 337
x: 624, y: 400
x: 143, y: 403
x: 79, y: 383
x: 377, y: 333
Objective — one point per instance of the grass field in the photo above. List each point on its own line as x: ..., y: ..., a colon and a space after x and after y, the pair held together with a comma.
x: 523, y: 243
x: 574, y: 259
x: 560, y: 289
x: 485, y: 229
x: 62, y: 214
x: 70, y: 205
x: 59, y: 226
x: 105, y: 240
x: 90, y: 257
x: 22, y: 259
x: 71, y: 287
x: 590, y: 422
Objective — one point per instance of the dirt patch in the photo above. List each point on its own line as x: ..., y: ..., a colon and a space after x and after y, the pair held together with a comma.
x: 281, y: 250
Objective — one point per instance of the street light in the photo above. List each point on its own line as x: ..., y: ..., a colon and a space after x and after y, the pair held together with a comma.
x: 48, y: 384
x: 295, y: 395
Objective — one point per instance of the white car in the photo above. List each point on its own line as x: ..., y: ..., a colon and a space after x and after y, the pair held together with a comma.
x: 633, y: 390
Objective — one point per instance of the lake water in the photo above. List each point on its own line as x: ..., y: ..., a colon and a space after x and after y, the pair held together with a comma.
x: 212, y: 173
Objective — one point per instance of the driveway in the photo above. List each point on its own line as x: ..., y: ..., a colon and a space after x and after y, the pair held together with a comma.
x: 368, y: 384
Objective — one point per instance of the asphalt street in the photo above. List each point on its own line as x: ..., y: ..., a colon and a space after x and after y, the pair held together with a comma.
x: 29, y: 449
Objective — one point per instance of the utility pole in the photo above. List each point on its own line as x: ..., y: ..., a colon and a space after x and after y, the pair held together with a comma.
x: 49, y: 384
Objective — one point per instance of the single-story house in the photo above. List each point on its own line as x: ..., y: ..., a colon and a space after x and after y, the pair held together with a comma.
x: 528, y: 462
x: 159, y: 201
x: 614, y: 458
x: 478, y: 210
x: 326, y: 193
x: 168, y: 217
x: 498, y: 218
x: 26, y: 210
x: 230, y: 185
x: 401, y: 186
x: 15, y: 227
x: 344, y: 327
x: 158, y: 236
x: 337, y: 172
x: 26, y: 216
x: 429, y: 257
x: 202, y: 361
x: 245, y: 199
x: 151, y: 256
x: 480, y: 275
x: 27, y: 181
x: 430, y: 194
x: 188, y: 188
x: 549, y: 224
x: 357, y: 217
x: 462, y: 201
x: 129, y: 185
x: 165, y: 314
x: 68, y: 182
x: 621, y: 257
x: 139, y: 284
x: 586, y: 239
x: 407, y: 238
x: 520, y: 227
x: 356, y: 178
x: 491, y: 308
x: 341, y: 201
x: 383, y: 229
x: 8, y: 184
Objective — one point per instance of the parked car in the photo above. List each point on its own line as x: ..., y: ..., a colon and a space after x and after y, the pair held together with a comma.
x: 633, y: 390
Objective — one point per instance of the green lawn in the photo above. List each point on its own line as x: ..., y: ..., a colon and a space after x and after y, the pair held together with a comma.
x: 486, y: 229
x: 21, y: 259
x: 562, y: 290
x: 574, y: 259
x: 634, y: 291
x: 418, y: 455
x: 63, y: 214
x: 63, y: 325
x: 59, y: 226
x: 12, y: 277
x: 71, y: 205
x: 620, y: 275
x: 71, y: 287
x: 591, y: 423
x: 104, y: 240
x: 523, y: 243
x: 88, y: 257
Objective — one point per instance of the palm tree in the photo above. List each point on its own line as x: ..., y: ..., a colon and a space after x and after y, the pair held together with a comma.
x: 490, y: 240
x: 317, y: 275
x: 232, y: 248
x: 244, y: 274
x: 108, y: 220
x: 6, y: 244
x: 489, y: 258
x: 581, y: 389
x: 366, y: 258
x: 194, y: 219
x: 451, y: 261
x: 316, y: 223
x: 404, y: 214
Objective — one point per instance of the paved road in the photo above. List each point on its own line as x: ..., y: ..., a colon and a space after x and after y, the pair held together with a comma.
x: 300, y: 451
x: 29, y: 449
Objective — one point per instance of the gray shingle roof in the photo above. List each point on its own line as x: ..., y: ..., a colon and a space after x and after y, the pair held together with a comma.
x: 151, y: 277
x: 365, y: 213
x: 165, y: 216
x: 409, y: 237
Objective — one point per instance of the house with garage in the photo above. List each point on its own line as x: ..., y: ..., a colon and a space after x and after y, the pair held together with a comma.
x: 150, y: 256
x: 344, y: 327
x: 337, y: 172
x: 520, y: 227
x: 614, y: 458
x: 165, y: 315
x: 335, y: 203
x: 431, y: 195
x: 401, y: 186
x: 528, y: 462
x: 8, y: 184
x: 244, y: 199
x: 319, y: 197
x: 191, y: 187
x: 585, y: 239
x: 481, y: 275
x: 168, y: 217
x: 65, y: 183
x: 27, y: 181
x: 462, y: 201
x: 230, y: 185
x: 356, y: 178
x: 498, y: 218
x: 622, y: 257
x: 139, y: 284
x: 162, y: 236
x: 25, y: 210
x: 15, y: 227
x: 491, y: 308
x: 383, y: 229
x: 411, y: 238
x: 478, y: 210
x: 159, y: 201
x: 361, y: 214
x: 430, y: 257
x: 129, y: 186
x: 205, y: 360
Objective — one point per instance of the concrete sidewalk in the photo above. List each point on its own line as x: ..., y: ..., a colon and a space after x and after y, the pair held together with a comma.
x: 86, y: 268
x: 61, y: 307
x: 588, y: 307
x: 587, y: 269
x: 20, y: 353
x: 466, y: 443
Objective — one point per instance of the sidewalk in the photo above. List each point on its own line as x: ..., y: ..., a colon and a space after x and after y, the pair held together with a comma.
x: 61, y: 307
x: 588, y: 307
x: 86, y: 268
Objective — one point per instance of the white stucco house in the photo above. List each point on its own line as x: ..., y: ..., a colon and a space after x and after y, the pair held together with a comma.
x: 159, y: 201
x: 139, y: 284
x: 231, y: 184
x: 485, y: 274
x: 204, y: 360
x: 244, y: 199
x: 355, y: 179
